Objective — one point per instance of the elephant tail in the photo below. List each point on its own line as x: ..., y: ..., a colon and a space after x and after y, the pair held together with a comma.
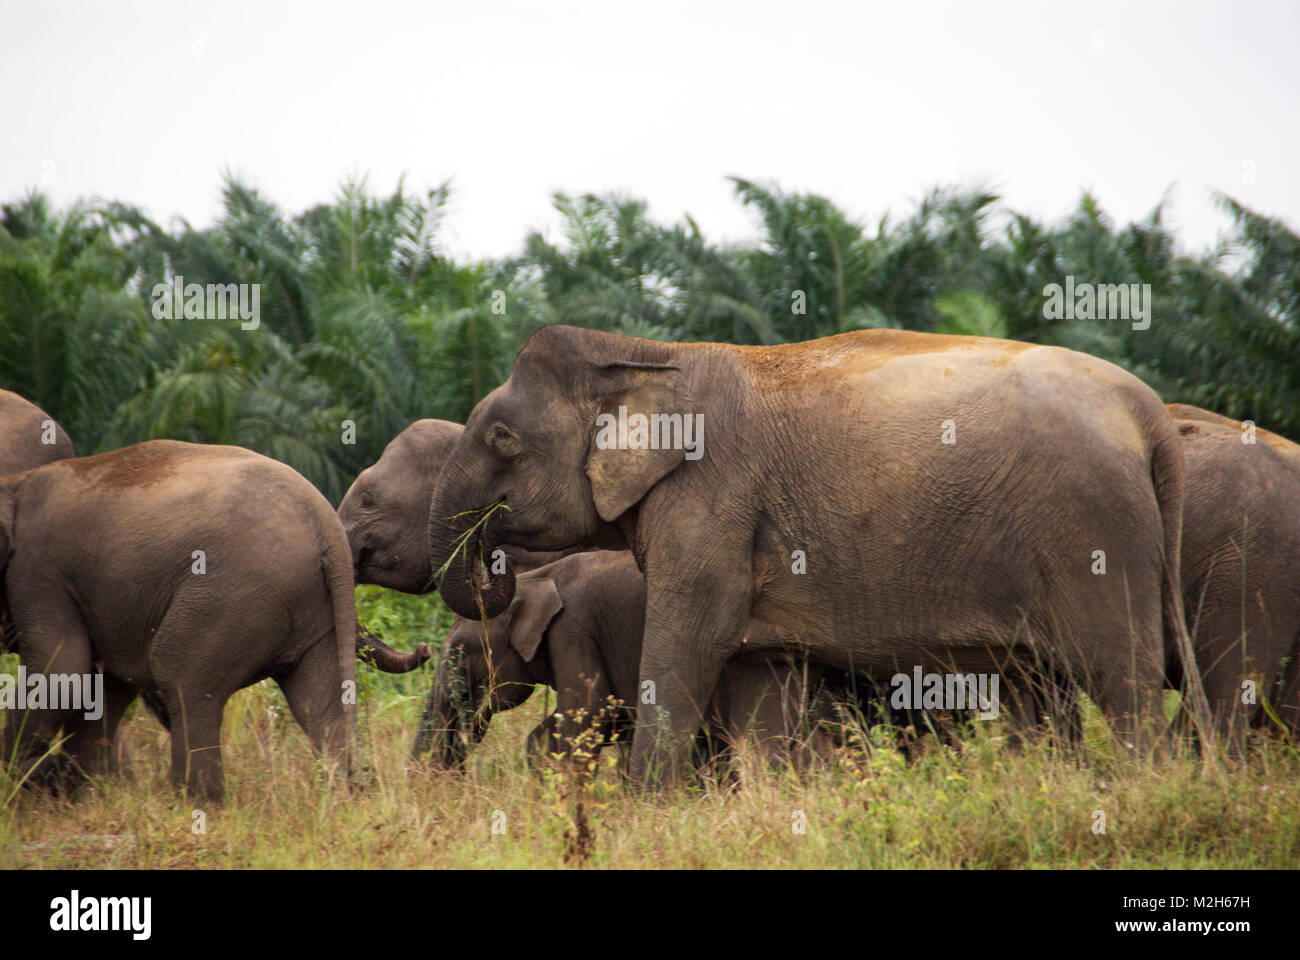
x: 1168, y: 477
x: 336, y: 563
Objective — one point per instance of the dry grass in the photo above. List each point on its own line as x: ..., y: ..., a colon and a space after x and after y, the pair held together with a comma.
x: 977, y: 805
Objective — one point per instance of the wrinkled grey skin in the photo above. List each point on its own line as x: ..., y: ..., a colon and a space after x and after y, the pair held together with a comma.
x: 373, y: 652
x: 1240, y: 557
x: 385, y: 515
x: 385, y: 512
x: 1241, y: 566
x: 387, y: 501
x: 25, y: 430
x: 575, y: 626
x: 918, y: 551
x: 97, y: 563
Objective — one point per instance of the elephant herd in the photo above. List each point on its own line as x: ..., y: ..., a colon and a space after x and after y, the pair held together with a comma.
x: 850, y: 509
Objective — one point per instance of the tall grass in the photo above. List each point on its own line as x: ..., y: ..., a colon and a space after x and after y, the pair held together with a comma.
x: 978, y: 804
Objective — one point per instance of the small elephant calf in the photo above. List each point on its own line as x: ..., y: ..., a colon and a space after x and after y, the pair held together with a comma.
x: 575, y: 625
x: 184, y: 572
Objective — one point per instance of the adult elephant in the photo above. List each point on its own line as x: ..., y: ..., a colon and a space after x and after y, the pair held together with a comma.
x: 947, y: 497
x: 1241, y: 565
x: 576, y: 625
x: 29, y: 436
x: 1239, y: 562
x: 185, y: 572
x: 595, y: 644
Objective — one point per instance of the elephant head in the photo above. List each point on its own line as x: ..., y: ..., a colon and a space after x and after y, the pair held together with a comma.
x: 535, y: 466
x: 386, y: 511
x: 476, y: 679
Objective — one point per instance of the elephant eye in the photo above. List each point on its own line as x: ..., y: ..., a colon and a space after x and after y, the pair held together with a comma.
x: 503, y: 441
x: 367, y: 500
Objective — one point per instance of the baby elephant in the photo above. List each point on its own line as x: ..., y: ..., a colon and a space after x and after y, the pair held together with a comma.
x: 575, y: 625
x: 184, y: 572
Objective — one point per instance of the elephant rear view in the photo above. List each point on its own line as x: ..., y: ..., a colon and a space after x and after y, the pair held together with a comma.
x: 1241, y: 566
x: 185, y: 572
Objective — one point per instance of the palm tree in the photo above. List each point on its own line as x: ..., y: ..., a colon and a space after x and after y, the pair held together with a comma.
x: 66, y: 308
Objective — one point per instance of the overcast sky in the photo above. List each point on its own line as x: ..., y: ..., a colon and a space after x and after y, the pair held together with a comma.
x: 870, y: 104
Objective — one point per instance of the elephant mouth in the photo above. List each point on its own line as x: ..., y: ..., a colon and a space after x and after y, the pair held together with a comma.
x: 477, y: 577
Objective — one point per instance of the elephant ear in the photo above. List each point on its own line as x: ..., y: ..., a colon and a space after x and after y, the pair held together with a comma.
x: 535, y: 604
x: 621, y: 478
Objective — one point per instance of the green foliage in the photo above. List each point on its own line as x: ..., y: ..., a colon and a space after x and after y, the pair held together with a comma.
x: 403, y: 621
x: 364, y: 319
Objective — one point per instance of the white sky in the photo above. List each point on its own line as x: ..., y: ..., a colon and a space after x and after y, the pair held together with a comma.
x: 869, y: 104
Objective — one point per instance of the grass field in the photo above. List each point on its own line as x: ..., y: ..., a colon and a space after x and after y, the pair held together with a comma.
x: 977, y: 805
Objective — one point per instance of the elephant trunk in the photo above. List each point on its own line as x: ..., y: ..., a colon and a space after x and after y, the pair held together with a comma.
x: 376, y: 653
x: 475, y: 572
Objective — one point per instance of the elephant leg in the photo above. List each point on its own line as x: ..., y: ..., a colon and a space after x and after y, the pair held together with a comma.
x: 695, y: 619
x: 584, y: 710
x: 445, y: 706
x: 1289, y: 700
x: 666, y: 726
x: 154, y: 701
x: 1224, y: 656
x: 58, y: 645
x: 430, y: 723
x: 8, y: 633
x: 549, y: 738
x: 767, y: 702
x: 542, y: 741
x: 196, y: 741
x: 1130, y: 694
x: 194, y: 670
x: 575, y: 730
x: 314, y: 691
x: 1036, y: 699
x: 95, y: 743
